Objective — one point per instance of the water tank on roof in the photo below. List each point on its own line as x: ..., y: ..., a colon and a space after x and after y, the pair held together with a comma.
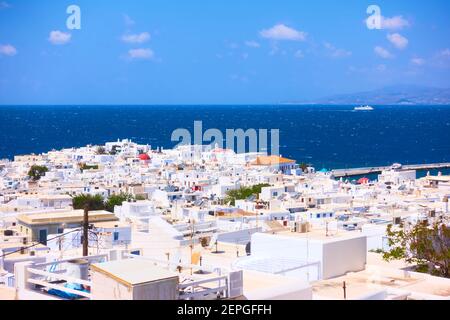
x: 77, y: 268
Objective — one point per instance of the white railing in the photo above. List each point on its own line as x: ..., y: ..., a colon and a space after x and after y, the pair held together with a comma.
x: 55, y: 276
x: 166, y: 263
x: 190, y: 290
x: 44, y: 278
x: 194, y: 285
x: 90, y: 259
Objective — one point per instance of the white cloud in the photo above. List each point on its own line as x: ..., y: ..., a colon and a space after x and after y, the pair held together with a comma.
x: 275, y: 50
x: 8, y: 50
x: 383, y: 53
x: 444, y: 53
x: 145, y: 54
x: 299, y: 54
x: 128, y: 21
x: 252, y: 44
x: 59, y: 37
x: 418, y: 61
x: 394, y: 23
x: 399, y: 41
x: 136, y: 38
x: 335, y: 52
x: 4, y: 5
x: 282, y: 32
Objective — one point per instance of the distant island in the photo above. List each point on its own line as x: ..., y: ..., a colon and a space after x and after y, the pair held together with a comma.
x: 394, y: 95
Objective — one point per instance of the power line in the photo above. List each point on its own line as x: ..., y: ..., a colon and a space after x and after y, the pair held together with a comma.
x: 36, y: 244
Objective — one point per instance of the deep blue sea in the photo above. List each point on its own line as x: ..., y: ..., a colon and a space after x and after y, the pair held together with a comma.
x: 325, y: 136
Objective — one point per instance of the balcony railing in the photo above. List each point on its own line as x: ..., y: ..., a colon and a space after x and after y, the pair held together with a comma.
x: 37, y: 274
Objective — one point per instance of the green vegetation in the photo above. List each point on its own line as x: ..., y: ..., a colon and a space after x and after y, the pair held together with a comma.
x: 427, y: 246
x: 36, y: 172
x: 97, y: 203
x: 304, y: 166
x: 85, y: 166
x: 244, y: 193
x: 88, y: 201
x: 118, y: 199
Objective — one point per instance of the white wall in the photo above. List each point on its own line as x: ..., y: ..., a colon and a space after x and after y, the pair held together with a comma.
x: 336, y: 256
x: 374, y: 234
x: 340, y: 257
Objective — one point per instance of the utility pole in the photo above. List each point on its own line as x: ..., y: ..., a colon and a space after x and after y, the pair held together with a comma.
x: 192, y: 239
x: 345, y: 290
x: 86, y: 230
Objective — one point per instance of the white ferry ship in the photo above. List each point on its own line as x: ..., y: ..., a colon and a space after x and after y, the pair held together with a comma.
x: 363, y: 108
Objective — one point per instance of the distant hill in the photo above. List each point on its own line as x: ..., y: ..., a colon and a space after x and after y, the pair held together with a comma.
x: 395, y: 95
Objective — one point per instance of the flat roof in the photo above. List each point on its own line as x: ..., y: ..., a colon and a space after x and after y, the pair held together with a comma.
x: 381, y: 275
x: 111, y: 224
x: 320, y: 234
x: 72, y: 216
x: 45, y: 196
x: 132, y: 272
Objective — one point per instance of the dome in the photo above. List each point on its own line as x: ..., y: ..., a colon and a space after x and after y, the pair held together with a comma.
x: 144, y: 157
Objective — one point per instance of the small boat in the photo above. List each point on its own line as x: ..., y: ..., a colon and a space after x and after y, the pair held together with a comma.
x: 396, y: 166
x: 363, y: 108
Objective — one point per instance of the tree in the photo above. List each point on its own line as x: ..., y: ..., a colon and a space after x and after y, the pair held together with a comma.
x: 244, y: 193
x: 427, y: 246
x: 113, y: 151
x: 95, y: 202
x: 87, y: 202
x: 304, y: 166
x: 100, y: 150
x: 36, y: 172
x: 117, y: 200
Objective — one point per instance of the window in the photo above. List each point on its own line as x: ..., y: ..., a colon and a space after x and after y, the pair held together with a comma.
x: 318, y: 215
x: 60, y: 230
x: 116, y: 236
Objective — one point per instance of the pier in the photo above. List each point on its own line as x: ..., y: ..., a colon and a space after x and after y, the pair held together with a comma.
x: 368, y: 170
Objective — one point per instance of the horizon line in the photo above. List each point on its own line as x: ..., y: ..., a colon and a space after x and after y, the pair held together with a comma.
x: 217, y: 104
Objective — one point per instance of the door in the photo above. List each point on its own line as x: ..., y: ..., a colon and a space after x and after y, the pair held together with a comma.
x: 43, y: 236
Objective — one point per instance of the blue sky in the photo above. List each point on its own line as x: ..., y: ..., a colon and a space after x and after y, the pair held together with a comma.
x: 218, y: 52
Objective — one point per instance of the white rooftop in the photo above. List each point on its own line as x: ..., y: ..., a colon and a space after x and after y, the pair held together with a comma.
x: 133, y: 271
